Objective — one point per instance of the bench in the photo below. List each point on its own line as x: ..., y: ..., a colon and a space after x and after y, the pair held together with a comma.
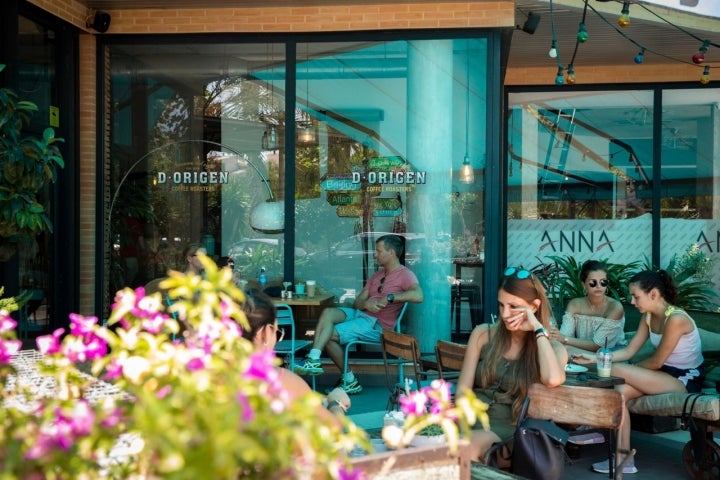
x: 699, y: 413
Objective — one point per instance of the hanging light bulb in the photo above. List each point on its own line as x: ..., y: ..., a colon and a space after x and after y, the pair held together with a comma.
x: 467, y: 174
x: 307, y: 134
x: 553, y: 50
x: 705, y: 79
x: 699, y: 57
x: 272, y: 138
x: 624, y: 19
x: 582, y: 35
x: 559, y: 78
x: 571, y: 75
x: 640, y: 56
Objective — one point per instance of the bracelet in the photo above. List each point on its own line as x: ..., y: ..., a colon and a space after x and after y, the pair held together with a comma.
x: 335, y: 403
x: 541, y: 332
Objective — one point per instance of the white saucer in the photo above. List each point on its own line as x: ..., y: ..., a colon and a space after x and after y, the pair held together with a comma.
x: 573, y: 368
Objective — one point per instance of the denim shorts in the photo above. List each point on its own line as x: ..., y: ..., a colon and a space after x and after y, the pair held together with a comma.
x: 692, y: 378
x: 358, y: 325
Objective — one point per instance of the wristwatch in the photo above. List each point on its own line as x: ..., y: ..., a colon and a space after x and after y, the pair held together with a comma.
x: 390, y: 298
x: 542, y: 332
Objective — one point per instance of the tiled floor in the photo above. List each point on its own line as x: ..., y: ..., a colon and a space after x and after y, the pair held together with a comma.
x: 659, y: 456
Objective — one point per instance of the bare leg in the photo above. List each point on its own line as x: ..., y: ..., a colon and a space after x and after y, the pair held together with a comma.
x: 480, y: 442
x: 336, y: 353
x: 640, y: 381
x: 325, y: 330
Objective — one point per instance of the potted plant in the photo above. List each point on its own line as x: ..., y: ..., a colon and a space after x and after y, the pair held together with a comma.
x: 28, y: 163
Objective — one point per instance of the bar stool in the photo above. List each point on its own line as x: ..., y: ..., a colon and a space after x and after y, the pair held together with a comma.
x: 464, y: 292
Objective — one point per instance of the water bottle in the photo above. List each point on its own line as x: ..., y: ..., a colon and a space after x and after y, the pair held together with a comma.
x: 262, y: 278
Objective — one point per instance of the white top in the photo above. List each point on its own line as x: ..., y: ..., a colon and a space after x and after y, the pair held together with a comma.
x: 595, y: 328
x: 688, y: 351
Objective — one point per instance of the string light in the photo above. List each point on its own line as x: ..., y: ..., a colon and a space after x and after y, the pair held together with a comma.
x: 553, y: 50
x: 699, y: 57
x: 705, y: 79
x: 582, y: 35
x: 640, y: 56
x: 559, y: 78
x: 624, y: 19
x: 571, y: 75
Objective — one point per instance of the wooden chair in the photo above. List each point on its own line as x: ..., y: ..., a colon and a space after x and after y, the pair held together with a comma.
x: 406, y: 352
x: 600, y: 408
x: 450, y: 358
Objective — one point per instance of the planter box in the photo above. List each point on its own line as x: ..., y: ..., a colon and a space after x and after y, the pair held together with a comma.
x: 427, y: 463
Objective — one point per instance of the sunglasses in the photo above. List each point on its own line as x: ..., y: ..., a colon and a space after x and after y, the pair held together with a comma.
x: 380, y: 288
x: 594, y: 283
x: 519, y: 273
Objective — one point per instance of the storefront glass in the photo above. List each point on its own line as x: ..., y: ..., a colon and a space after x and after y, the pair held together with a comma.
x: 382, y: 131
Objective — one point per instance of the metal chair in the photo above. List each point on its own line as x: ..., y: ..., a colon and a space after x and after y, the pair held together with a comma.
x: 290, y: 345
x: 367, y: 342
x: 406, y: 350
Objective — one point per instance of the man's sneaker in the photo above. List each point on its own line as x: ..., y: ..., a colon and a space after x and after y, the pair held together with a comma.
x: 604, y: 467
x: 308, y: 366
x: 351, y: 388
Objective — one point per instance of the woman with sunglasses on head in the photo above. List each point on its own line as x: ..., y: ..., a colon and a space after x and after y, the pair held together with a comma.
x: 595, y: 320
x: 515, y: 353
x: 676, y: 363
x: 264, y: 333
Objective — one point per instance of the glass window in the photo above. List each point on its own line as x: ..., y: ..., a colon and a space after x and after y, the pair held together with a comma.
x: 390, y: 136
x: 582, y: 165
x: 689, y: 203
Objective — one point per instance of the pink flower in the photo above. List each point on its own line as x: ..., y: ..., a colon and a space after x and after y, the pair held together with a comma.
x: 414, y: 404
x: 49, y: 344
x: 197, y: 363
x: 248, y: 414
x: 7, y: 324
x: 81, y: 325
x: 113, y: 370
x: 8, y: 348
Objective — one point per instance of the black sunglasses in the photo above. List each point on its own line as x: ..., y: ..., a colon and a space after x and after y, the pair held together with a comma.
x: 380, y: 288
x: 593, y: 283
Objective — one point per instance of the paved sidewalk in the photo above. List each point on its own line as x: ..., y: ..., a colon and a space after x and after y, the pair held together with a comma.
x: 659, y: 456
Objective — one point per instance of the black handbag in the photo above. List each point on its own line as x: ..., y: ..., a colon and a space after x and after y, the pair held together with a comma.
x: 535, y: 451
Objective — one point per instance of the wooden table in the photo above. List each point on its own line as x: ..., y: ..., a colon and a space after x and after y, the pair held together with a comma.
x: 592, y: 380
x: 306, y: 311
x: 320, y: 299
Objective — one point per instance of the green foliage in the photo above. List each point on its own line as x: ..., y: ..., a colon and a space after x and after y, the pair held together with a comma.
x: 692, y: 272
x: 12, y: 304
x: 27, y: 165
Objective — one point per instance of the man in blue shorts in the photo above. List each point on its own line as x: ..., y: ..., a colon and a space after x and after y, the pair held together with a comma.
x: 376, y: 308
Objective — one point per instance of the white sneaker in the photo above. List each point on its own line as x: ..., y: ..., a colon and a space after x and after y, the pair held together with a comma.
x: 604, y: 467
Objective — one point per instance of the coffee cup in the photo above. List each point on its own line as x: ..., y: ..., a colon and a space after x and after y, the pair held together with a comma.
x: 604, y: 362
x: 310, y: 284
x: 300, y: 288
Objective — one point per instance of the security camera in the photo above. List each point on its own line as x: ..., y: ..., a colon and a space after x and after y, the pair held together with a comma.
x: 99, y: 21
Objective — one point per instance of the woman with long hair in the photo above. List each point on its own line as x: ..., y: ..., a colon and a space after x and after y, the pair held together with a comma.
x: 515, y: 353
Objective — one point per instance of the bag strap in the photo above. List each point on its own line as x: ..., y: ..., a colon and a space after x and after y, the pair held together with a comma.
x: 523, y: 410
x: 686, y: 417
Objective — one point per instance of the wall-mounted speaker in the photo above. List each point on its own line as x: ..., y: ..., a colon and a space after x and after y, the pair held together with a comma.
x: 531, y: 23
x: 99, y: 21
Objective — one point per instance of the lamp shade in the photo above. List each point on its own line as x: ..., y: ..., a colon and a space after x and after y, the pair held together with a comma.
x: 268, y: 217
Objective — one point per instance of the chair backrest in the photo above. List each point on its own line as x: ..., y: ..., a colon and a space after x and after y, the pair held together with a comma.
x: 450, y: 358
x: 406, y: 350
x: 285, y: 317
x: 594, y: 407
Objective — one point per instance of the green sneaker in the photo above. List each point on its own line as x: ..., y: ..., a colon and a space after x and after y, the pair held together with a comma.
x: 352, y: 387
x: 308, y: 366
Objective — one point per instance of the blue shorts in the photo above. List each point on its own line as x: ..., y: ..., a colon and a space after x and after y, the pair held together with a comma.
x: 692, y: 378
x: 358, y: 325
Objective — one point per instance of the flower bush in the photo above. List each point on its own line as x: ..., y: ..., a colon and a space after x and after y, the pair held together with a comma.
x: 127, y: 401
x: 432, y: 406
